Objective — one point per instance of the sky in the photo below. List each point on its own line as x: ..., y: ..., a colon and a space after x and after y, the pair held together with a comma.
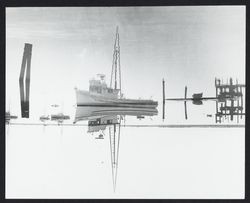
x: 184, y: 45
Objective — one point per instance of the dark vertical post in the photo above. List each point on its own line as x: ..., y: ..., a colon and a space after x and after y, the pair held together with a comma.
x: 216, y: 88
x: 241, y: 101
x: 24, y: 84
x: 185, y: 106
x: 231, y: 110
x: 219, y: 85
x: 238, y: 106
x: 163, y: 99
x: 185, y: 92
x: 185, y: 103
x: 221, y: 111
x: 216, y: 114
x: 231, y: 88
x: 237, y: 97
x: 216, y: 95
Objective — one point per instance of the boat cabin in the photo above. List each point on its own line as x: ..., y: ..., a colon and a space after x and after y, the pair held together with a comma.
x: 197, y: 96
x: 99, y: 86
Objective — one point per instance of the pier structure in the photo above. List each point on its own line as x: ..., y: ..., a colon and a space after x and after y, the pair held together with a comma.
x: 230, y: 100
x: 228, y: 90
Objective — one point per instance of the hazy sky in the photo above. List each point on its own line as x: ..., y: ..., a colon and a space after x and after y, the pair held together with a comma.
x: 185, y: 45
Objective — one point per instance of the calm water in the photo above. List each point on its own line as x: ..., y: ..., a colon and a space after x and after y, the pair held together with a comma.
x: 68, y: 162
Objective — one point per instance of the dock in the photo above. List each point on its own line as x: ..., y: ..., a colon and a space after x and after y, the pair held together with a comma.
x: 228, y: 98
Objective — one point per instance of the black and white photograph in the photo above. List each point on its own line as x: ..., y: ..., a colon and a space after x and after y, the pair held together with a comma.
x: 136, y: 102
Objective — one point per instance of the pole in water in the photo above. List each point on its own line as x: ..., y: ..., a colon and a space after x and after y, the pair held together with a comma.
x: 185, y: 103
x: 24, y: 80
x: 185, y: 92
x: 163, y: 101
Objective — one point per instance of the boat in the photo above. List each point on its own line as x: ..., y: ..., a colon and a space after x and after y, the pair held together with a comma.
x: 197, y: 96
x: 100, y: 95
x: 44, y: 118
x: 59, y: 117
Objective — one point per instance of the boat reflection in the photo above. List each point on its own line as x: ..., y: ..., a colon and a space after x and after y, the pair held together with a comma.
x: 101, y: 118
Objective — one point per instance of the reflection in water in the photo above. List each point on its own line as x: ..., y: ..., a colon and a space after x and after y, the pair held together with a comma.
x: 229, y: 100
x: 105, y: 106
x: 114, y: 139
x: 101, y: 118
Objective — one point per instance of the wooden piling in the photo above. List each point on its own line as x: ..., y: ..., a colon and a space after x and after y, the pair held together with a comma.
x: 163, y: 101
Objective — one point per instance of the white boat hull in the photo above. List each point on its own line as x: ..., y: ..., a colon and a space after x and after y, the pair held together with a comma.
x: 85, y: 98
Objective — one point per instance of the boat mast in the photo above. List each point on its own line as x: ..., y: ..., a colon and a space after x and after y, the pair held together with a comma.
x: 115, y: 81
x: 114, y: 130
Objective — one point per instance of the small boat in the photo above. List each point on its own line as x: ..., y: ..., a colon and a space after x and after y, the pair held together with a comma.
x: 44, y: 118
x: 197, y: 96
x: 59, y: 117
x: 100, y: 137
